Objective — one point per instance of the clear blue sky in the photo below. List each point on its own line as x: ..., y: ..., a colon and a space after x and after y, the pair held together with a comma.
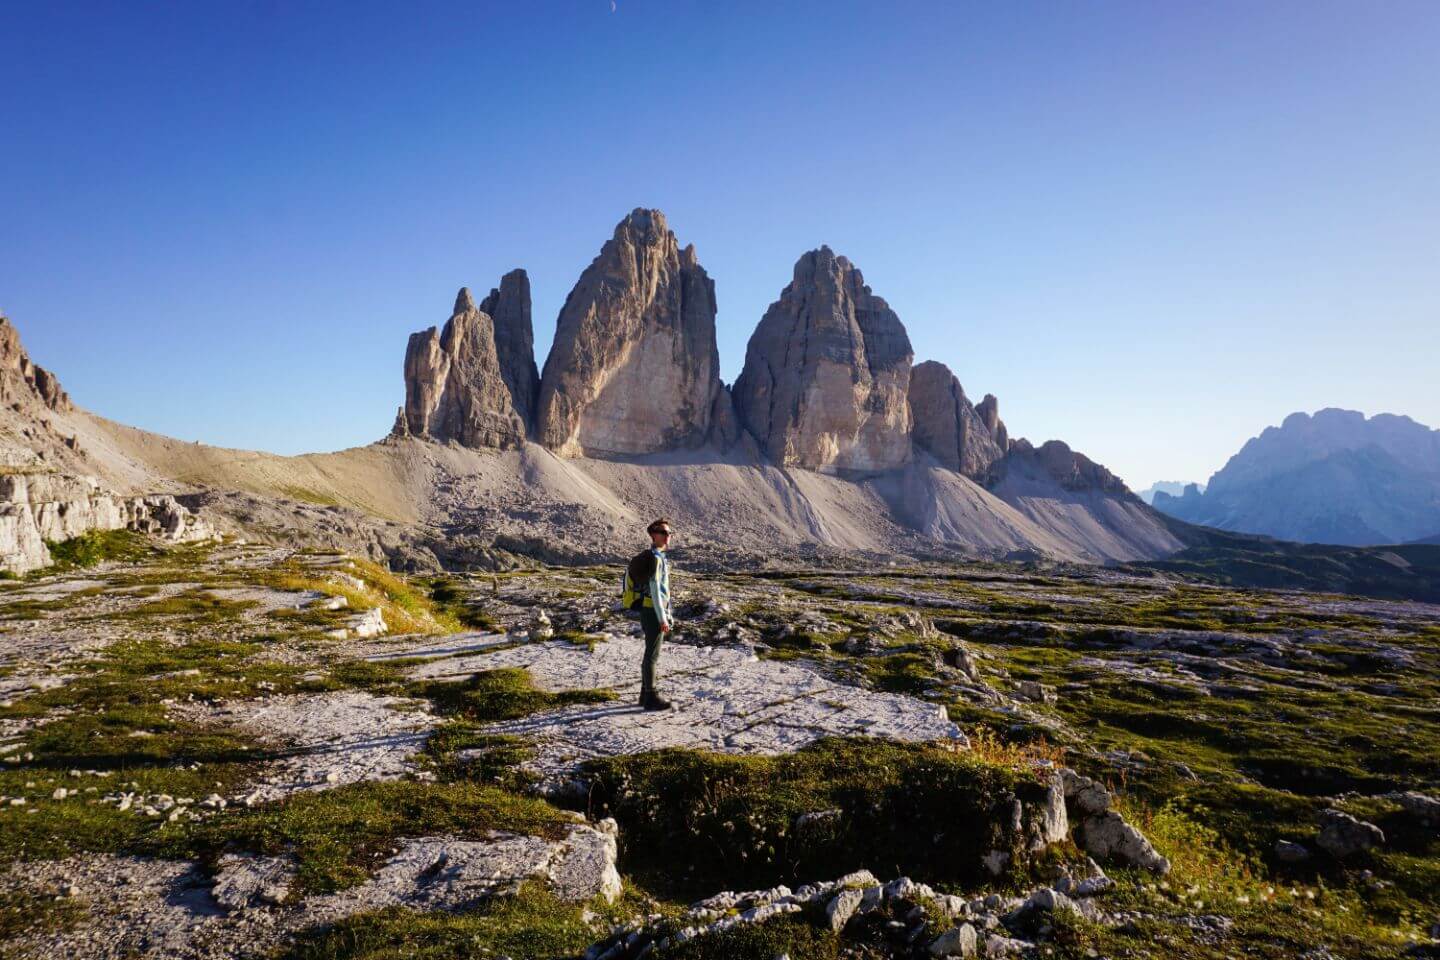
x: 1150, y: 228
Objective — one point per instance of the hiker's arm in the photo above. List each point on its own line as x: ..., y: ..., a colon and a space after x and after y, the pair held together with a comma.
x: 660, y: 612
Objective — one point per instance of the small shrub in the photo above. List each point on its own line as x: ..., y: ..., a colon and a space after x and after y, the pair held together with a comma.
x: 97, y: 546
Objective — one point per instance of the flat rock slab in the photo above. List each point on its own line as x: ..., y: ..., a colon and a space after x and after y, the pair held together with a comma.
x: 725, y: 700
x: 337, y: 738
x: 171, y: 908
x: 445, y: 873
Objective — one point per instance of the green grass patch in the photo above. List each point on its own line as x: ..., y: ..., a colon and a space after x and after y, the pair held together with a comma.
x: 24, y: 913
x: 339, y: 836
x: 911, y: 809
x: 451, y: 600
x: 95, y: 547
x: 531, y: 926
x: 505, y: 694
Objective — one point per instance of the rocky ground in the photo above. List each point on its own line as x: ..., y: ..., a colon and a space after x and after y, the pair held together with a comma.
x: 249, y: 751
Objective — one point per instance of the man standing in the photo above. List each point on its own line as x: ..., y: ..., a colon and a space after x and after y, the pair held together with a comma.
x: 655, y: 612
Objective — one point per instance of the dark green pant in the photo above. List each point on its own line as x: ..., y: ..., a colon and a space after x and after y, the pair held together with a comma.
x: 650, y: 623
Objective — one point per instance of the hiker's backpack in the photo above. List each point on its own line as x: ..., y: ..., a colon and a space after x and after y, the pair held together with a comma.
x: 638, y: 573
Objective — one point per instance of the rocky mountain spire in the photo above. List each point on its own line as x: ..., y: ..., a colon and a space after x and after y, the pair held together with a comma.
x: 24, y: 382
x: 989, y: 412
x: 827, y: 372
x: 509, y: 307
x: 945, y: 423
x: 634, y: 368
x: 456, y: 387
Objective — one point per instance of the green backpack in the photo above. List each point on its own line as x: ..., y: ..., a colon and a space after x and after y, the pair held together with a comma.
x: 638, y: 574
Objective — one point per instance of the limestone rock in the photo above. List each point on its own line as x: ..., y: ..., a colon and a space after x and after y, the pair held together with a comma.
x: 1289, y: 852
x: 584, y: 866
x: 1342, y: 835
x: 839, y: 910
x: 989, y: 413
x: 1421, y: 807
x: 36, y: 507
x: 827, y: 373
x: 634, y: 368
x: 467, y: 382
x: 1054, y: 823
x: 1109, y: 836
x: 448, y: 873
x: 508, y: 306
x: 955, y: 942
x: 22, y: 381
x: 243, y: 881
x: 1072, y: 470
x: 946, y: 424
x: 1089, y: 797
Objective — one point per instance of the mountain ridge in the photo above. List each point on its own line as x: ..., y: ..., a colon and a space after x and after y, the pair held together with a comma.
x: 629, y: 418
x: 1331, y: 477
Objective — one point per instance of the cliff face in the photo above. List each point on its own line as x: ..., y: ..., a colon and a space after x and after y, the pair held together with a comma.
x: 459, y: 385
x: 946, y: 424
x: 508, y: 307
x: 634, y: 368
x: 22, y: 382
x: 827, y: 373
x: 39, y: 507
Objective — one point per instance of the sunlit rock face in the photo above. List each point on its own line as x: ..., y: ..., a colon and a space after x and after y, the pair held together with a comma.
x: 21, y: 381
x: 459, y: 384
x: 634, y: 368
x: 827, y: 373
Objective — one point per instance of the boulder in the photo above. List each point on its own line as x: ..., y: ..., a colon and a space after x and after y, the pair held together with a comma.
x: 1053, y: 825
x: 1042, y: 901
x: 243, y: 881
x: 1288, y: 852
x: 839, y: 910
x: 1089, y: 797
x: 827, y: 373
x: 1109, y: 837
x: 947, y: 425
x: 1420, y: 807
x: 1035, y: 692
x: 959, y: 941
x: 634, y: 368
x: 456, y: 388
x: 1342, y: 835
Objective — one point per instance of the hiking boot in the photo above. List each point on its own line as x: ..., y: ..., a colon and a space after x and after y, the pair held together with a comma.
x: 655, y: 702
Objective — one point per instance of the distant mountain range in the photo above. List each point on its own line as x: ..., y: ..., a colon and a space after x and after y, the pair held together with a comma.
x: 1174, y: 488
x: 1334, y: 477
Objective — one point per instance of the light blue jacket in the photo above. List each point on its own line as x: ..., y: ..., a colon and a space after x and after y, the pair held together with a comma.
x: 660, y: 588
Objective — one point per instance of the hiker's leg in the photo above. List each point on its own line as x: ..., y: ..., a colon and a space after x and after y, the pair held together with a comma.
x: 652, y: 658
x: 651, y: 625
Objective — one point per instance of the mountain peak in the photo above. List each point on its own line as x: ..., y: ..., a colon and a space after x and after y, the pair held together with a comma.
x: 842, y: 403
x: 464, y: 302
x: 634, y: 368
